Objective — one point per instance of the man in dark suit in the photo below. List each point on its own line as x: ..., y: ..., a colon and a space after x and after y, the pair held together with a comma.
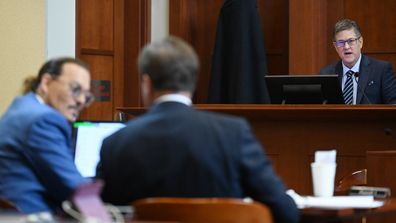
x: 359, y: 73
x: 176, y: 151
x: 37, y: 171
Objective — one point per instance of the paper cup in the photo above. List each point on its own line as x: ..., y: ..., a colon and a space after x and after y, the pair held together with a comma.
x: 323, y: 178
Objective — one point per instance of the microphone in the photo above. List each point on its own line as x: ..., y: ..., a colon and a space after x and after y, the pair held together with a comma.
x: 356, y: 75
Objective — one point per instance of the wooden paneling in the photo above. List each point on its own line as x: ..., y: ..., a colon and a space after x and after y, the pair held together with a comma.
x: 307, y: 36
x: 196, y: 22
x: 380, y: 173
x: 137, y: 34
x: 381, y: 165
x: 96, y: 24
x: 292, y: 133
x: 335, y: 12
x: 110, y: 34
x: 379, y: 31
x: 101, y: 67
x: 275, y: 24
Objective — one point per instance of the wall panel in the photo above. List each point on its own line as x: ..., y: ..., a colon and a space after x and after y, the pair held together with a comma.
x: 110, y: 34
x: 96, y: 22
x: 101, y: 67
x: 307, y: 36
x: 275, y: 25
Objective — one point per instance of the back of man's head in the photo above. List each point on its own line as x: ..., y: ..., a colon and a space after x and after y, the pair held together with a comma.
x: 171, y: 64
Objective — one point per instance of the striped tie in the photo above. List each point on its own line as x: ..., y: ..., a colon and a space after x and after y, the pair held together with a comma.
x: 348, y: 88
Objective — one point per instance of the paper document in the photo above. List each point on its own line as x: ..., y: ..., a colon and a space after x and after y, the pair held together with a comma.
x: 343, y: 202
x: 335, y: 202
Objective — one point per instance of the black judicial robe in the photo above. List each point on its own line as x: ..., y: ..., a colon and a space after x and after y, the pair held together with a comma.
x: 239, y: 61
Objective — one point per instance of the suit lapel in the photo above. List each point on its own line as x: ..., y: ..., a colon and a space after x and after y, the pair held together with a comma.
x: 364, y: 74
x: 338, y: 70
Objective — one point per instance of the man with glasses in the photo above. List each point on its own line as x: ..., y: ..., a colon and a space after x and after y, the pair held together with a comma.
x: 37, y: 171
x: 364, y: 80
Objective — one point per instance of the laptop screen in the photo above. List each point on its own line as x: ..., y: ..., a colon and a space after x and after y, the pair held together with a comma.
x: 88, y: 137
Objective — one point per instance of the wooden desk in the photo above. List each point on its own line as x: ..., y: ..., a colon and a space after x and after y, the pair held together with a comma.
x: 317, y: 215
x: 291, y: 134
x: 382, y: 166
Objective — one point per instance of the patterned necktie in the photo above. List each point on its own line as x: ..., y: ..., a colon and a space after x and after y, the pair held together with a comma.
x: 348, y: 88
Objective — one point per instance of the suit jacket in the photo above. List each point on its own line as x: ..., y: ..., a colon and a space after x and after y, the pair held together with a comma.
x: 174, y: 150
x: 37, y: 171
x: 376, y: 79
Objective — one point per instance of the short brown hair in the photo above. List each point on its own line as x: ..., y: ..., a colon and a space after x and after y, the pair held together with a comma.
x: 346, y: 24
x: 171, y: 63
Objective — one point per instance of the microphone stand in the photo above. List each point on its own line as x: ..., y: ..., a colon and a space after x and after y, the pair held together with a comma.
x: 355, y: 76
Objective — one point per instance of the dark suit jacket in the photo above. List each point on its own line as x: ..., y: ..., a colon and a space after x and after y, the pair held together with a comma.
x: 177, y: 151
x: 37, y: 171
x: 376, y: 79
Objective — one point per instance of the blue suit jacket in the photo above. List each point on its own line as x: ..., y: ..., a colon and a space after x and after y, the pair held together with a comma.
x: 37, y: 171
x: 376, y: 79
x: 177, y: 151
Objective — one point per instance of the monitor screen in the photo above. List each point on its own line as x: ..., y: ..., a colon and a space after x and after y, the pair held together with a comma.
x: 304, y: 89
x: 87, y: 139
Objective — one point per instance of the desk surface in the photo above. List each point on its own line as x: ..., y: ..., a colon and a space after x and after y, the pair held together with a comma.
x: 291, y: 112
x: 316, y: 215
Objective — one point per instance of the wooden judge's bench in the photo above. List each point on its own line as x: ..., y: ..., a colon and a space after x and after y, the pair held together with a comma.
x: 291, y: 134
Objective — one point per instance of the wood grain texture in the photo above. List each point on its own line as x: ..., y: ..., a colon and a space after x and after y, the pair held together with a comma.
x: 292, y: 133
x: 110, y: 34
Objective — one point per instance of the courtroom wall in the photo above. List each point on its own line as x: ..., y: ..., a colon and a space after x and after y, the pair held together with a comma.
x: 22, y: 44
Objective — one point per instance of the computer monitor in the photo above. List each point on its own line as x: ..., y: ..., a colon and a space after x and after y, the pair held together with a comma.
x: 304, y: 89
x: 87, y: 139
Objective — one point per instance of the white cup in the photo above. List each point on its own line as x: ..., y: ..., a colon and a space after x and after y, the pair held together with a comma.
x: 323, y: 175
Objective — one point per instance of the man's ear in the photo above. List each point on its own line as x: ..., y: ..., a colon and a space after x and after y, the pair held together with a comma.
x: 44, y: 84
x: 146, y: 81
x: 361, y: 42
x: 147, y: 90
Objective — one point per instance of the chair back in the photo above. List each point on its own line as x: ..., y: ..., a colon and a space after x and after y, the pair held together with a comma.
x: 356, y: 178
x: 219, y: 210
x: 6, y: 205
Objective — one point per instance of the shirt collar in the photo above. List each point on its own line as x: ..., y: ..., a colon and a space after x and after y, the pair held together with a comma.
x: 355, y: 67
x: 39, y: 98
x: 173, y: 98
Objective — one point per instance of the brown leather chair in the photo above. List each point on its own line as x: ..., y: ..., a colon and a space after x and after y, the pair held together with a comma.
x: 6, y: 205
x: 356, y: 178
x: 219, y: 210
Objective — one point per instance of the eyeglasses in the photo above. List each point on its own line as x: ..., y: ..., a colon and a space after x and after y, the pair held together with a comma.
x: 351, y: 42
x: 76, y: 90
